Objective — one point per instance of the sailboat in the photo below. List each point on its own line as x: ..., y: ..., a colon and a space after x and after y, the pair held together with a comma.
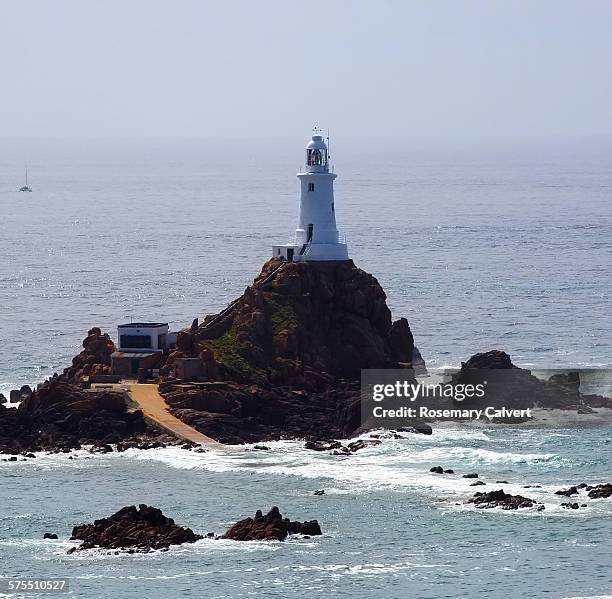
x: 26, y: 187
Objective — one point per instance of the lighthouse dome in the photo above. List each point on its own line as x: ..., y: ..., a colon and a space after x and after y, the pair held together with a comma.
x: 316, y: 142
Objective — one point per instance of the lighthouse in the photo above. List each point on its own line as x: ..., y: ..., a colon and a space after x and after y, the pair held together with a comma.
x: 316, y: 237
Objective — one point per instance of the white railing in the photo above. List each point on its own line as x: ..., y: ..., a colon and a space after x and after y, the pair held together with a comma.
x: 340, y: 238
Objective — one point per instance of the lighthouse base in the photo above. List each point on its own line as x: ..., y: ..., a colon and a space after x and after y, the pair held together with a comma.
x: 323, y: 252
x: 311, y: 252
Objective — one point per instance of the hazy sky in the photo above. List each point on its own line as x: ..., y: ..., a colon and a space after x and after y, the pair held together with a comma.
x: 147, y: 68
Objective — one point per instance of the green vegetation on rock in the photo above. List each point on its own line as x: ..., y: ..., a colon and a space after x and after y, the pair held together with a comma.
x: 226, y: 351
x: 282, y: 316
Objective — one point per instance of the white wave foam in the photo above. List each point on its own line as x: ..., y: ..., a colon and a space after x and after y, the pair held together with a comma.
x: 368, y: 568
x: 388, y: 466
x: 203, y: 547
x: 476, y: 455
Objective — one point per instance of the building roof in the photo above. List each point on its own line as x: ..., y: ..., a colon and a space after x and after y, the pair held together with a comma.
x: 143, y: 325
x: 134, y: 355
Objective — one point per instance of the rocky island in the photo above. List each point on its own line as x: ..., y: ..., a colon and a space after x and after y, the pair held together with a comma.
x: 282, y: 361
x: 285, y: 359
x: 139, y: 528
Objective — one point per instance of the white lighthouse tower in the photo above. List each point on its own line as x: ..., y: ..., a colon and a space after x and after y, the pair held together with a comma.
x: 316, y: 236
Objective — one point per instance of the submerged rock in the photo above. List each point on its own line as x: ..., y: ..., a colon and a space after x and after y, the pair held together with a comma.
x: 420, y: 427
x: 320, y: 445
x: 567, y: 492
x: 440, y: 470
x: 362, y: 443
x: 271, y: 527
x: 600, y: 491
x: 141, y: 528
x: 502, y: 500
x: 337, y: 448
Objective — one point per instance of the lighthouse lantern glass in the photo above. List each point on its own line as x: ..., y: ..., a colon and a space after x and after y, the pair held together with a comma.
x: 316, y: 157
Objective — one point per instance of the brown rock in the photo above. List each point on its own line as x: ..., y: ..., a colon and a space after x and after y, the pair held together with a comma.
x: 272, y: 527
x: 93, y: 360
x: 62, y: 416
x: 331, y: 317
x: 515, y: 388
x: 142, y: 528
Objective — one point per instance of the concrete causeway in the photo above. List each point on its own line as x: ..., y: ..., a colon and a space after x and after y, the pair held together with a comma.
x: 154, y: 408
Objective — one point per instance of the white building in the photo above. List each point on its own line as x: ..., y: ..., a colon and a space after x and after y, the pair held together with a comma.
x: 316, y: 236
x: 143, y: 336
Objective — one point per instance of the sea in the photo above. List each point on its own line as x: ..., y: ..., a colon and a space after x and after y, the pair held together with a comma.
x: 480, y: 243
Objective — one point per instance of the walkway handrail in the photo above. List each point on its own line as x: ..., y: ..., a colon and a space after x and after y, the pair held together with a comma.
x: 239, y: 300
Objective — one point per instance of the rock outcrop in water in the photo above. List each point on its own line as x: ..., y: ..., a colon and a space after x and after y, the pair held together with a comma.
x: 270, y: 527
x: 517, y: 388
x: 61, y: 416
x: 143, y: 528
x: 601, y: 491
x: 285, y: 358
x: 502, y: 500
x: 282, y: 361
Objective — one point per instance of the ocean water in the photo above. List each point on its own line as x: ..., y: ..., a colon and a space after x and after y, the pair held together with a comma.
x: 391, y: 528
x: 481, y: 244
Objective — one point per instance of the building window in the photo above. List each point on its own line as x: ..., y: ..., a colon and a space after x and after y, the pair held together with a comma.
x: 135, y: 341
x: 333, y: 207
x: 311, y: 187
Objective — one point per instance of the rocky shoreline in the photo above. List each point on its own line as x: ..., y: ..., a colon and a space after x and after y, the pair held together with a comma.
x: 61, y: 417
x: 283, y: 361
